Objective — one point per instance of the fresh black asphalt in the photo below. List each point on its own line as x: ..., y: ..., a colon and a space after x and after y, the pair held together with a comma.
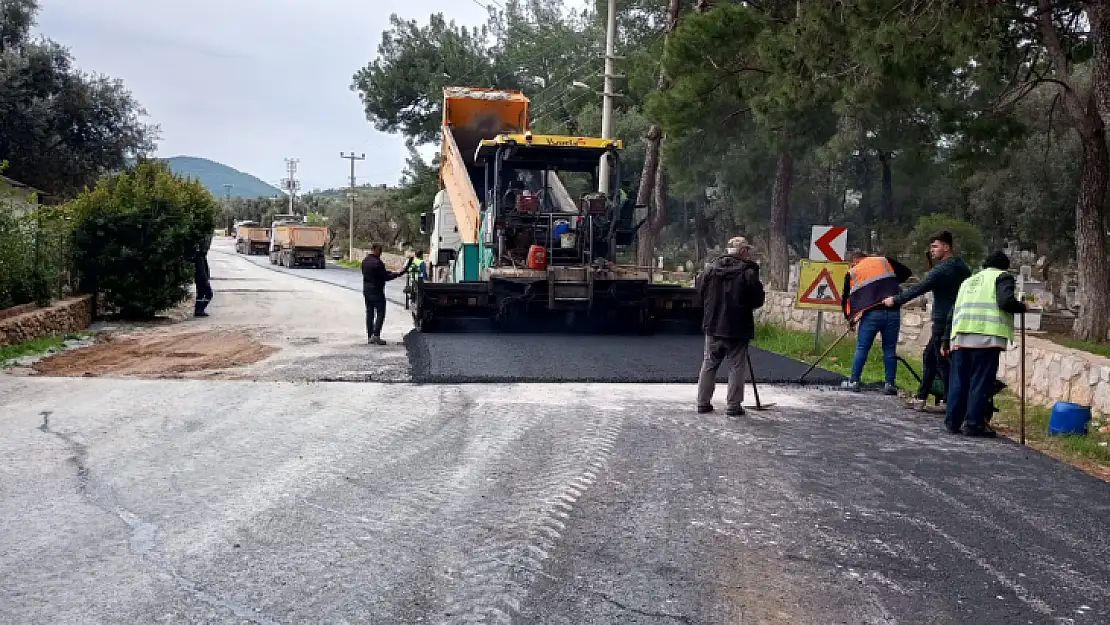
x: 492, y: 357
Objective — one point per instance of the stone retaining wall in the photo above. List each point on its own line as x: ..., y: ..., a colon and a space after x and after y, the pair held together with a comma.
x: 1052, y: 372
x: 68, y: 315
x: 1056, y: 373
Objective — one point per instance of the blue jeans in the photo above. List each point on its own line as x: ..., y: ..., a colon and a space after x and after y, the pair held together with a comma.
x: 885, y: 322
x: 971, y: 387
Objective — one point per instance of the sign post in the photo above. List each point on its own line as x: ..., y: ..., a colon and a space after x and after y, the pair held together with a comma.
x: 821, y: 277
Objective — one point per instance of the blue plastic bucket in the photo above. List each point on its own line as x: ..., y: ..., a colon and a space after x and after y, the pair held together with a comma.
x: 1068, y: 418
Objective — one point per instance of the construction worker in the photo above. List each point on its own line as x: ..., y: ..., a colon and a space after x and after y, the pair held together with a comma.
x: 870, y: 280
x: 417, y: 267
x: 943, y: 281
x: 730, y: 291
x: 982, y: 323
x: 374, y: 276
x: 202, y: 277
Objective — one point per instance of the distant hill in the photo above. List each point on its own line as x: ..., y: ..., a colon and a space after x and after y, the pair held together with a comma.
x: 215, y: 175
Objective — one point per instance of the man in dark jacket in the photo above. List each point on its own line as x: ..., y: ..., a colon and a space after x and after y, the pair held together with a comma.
x: 730, y: 291
x: 374, y: 277
x: 943, y: 281
x: 202, y: 277
x: 982, y: 323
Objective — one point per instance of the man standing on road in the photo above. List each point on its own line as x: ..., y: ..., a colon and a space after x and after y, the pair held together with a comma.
x: 374, y: 276
x: 418, y: 267
x: 202, y: 277
x: 730, y: 290
x: 943, y: 281
x: 870, y: 280
x: 982, y: 323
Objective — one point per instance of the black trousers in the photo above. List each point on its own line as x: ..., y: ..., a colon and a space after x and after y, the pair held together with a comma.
x: 933, y: 364
x: 204, y: 295
x: 375, y: 315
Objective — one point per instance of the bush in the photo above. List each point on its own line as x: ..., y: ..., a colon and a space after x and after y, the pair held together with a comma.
x: 967, y: 239
x: 33, y: 255
x: 136, y: 236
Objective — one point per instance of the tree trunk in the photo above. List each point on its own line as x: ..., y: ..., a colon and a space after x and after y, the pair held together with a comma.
x: 1086, y: 109
x: 824, y: 200
x: 1098, y: 14
x: 1093, y: 322
x: 866, y: 211
x: 886, y: 201
x: 778, y: 254
x: 650, y: 232
x: 649, y: 176
x: 645, y: 239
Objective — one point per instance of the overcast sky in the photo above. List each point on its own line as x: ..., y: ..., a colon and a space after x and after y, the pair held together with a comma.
x: 249, y: 82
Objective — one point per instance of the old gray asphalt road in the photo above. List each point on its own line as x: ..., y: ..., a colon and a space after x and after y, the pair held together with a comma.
x: 133, y: 501
x: 347, y: 277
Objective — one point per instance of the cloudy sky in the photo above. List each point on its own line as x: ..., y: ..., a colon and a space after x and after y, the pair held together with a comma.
x: 249, y: 82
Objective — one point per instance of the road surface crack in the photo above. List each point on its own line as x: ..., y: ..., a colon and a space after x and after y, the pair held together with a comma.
x: 142, y: 538
x: 681, y: 618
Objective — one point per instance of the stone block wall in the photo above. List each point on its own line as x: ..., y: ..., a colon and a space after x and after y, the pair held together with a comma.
x: 68, y: 315
x: 1056, y: 373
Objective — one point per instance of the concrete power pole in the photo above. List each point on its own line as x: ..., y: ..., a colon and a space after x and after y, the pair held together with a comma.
x: 227, y: 207
x: 351, y: 207
x: 291, y: 184
x: 609, y: 95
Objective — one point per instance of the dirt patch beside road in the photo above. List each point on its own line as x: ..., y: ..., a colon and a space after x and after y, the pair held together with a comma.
x: 158, y: 354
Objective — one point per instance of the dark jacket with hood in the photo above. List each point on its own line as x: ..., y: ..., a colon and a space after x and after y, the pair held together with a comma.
x: 730, y: 291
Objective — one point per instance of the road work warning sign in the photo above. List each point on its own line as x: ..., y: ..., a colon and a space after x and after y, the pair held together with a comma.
x: 819, y: 284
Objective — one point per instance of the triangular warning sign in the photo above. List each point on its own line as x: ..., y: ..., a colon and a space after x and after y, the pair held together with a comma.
x: 822, y: 291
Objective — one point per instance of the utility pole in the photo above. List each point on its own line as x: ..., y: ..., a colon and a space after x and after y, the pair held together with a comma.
x: 609, y: 95
x: 227, y: 207
x: 291, y: 184
x: 351, y: 206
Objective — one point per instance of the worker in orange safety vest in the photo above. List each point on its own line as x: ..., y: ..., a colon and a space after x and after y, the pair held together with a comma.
x: 871, y: 280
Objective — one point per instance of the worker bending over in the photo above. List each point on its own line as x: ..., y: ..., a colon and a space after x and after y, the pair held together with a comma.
x: 730, y: 291
x: 943, y: 281
x: 982, y: 323
x: 871, y: 280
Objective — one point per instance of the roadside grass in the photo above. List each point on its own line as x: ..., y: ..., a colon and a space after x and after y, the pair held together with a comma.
x: 1099, y: 349
x: 799, y: 345
x: 1090, y: 452
x: 348, y: 263
x: 38, y: 346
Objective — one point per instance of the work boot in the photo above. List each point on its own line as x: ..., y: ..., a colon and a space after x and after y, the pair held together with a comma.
x: 735, y: 412
x: 981, y: 432
x: 376, y: 340
x: 890, y: 390
x: 850, y: 385
x: 705, y: 409
x: 200, y: 313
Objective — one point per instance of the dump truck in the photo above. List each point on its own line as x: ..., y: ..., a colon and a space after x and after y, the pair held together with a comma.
x: 294, y: 244
x: 509, y: 244
x: 251, y: 238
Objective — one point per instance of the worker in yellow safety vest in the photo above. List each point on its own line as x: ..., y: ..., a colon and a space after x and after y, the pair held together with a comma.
x: 982, y: 323
x: 419, y: 268
x: 870, y: 280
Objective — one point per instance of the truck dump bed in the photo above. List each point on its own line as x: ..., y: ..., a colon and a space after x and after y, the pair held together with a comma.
x: 469, y: 115
x: 301, y: 237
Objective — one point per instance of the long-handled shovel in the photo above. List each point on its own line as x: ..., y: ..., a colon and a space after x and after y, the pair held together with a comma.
x: 1022, y: 378
x: 755, y: 389
x: 818, y: 361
